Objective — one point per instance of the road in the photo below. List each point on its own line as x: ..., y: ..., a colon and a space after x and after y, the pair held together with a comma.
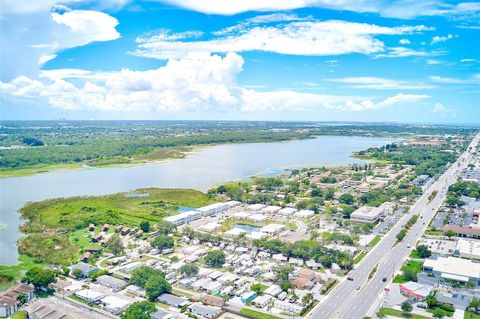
x: 345, y: 301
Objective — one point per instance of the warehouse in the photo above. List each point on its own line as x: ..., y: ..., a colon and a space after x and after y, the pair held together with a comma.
x: 452, y: 268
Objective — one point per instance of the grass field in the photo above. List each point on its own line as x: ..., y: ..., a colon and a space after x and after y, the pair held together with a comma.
x: 256, y: 314
x: 413, y: 266
x: 470, y: 315
x: 19, y: 315
x: 359, y: 257
x: 374, y: 241
x: 400, y: 314
x: 55, y: 228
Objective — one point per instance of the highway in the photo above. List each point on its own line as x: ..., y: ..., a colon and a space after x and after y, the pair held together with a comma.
x: 345, y: 301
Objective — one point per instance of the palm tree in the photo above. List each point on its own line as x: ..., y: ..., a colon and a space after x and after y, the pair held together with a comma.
x: 22, y: 298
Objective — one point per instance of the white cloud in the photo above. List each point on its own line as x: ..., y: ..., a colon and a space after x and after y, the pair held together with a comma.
x: 437, y: 38
x: 474, y: 79
x: 404, y: 41
x: 295, y: 38
x: 375, y: 83
x: 401, y: 52
x: 35, y: 6
x: 198, y: 82
x: 404, y: 9
x: 30, y: 39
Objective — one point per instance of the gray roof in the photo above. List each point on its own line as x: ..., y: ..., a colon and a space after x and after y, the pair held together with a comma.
x: 84, y: 267
x: 172, y: 300
x: 111, y: 281
x: 159, y: 314
x: 210, y: 311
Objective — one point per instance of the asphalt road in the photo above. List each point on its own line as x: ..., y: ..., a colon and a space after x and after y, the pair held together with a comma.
x: 345, y: 301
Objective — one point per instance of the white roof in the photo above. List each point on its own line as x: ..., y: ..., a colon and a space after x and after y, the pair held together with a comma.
x: 416, y: 288
x: 304, y: 213
x: 234, y: 232
x: 273, y: 290
x: 213, y: 207
x: 271, y: 209
x: 257, y: 217
x: 89, y: 294
x: 468, y: 247
x: 255, y: 206
x: 241, y: 215
x: 272, y: 228
x: 367, y: 212
x: 115, y: 302
x: 454, y: 266
x: 175, y: 218
x: 256, y: 235
x: 287, y: 211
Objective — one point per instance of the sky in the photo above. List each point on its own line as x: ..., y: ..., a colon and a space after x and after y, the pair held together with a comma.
x: 318, y: 60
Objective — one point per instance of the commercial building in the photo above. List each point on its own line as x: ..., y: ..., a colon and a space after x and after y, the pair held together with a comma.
x: 415, y: 291
x: 186, y: 217
x: 453, y: 268
x: 368, y: 214
x: 89, y: 295
x: 115, y: 304
x: 468, y: 249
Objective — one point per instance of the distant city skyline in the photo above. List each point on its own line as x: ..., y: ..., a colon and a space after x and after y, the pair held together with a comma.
x: 316, y: 60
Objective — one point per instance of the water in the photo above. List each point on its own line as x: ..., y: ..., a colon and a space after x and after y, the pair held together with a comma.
x: 246, y: 227
x: 200, y: 170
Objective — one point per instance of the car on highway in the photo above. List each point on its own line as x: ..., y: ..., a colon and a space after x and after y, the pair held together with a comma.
x: 358, y: 287
x: 408, y: 246
x: 350, y: 278
x: 384, y: 279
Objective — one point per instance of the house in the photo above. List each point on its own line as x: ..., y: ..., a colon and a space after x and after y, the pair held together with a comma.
x: 91, y: 227
x: 8, y: 299
x: 279, y: 258
x: 287, y: 211
x: 105, y: 227
x: 85, y: 269
x: 111, y: 282
x: 307, y: 274
x: 115, y: 304
x: 160, y: 314
x: 415, y: 291
x: 295, y: 261
x: 272, y: 229
x: 213, y: 301
x: 204, y: 311
x: 313, y: 264
x: 302, y: 283
x: 248, y: 296
x: 262, y: 301
x: 304, y: 213
x: 89, y: 295
x: 50, y: 308
x: 288, y: 307
x: 173, y: 300
x: 124, y: 231
x: 273, y: 291
x: 86, y: 256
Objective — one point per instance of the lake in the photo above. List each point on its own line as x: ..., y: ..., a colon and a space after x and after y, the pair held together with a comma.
x: 248, y: 228
x: 200, y: 170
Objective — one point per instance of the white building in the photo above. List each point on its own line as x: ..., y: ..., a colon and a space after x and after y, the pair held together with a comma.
x: 272, y: 229
x: 235, y: 232
x: 183, y: 218
x: 304, y: 213
x: 89, y: 295
x: 366, y: 214
x: 468, y: 248
x: 288, y: 307
x: 287, y: 211
x: 210, y: 227
x: 262, y: 301
x: 255, y: 207
x: 115, y: 304
x: 258, y: 218
x: 204, y: 311
x: 271, y: 209
x: 453, y: 268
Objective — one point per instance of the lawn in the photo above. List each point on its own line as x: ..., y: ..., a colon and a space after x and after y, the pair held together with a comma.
x: 470, y: 315
x: 19, y: 315
x: 374, y: 241
x: 359, y: 257
x: 413, y: 266
x: 9, y: 274
x: 400, y: 314
x: 256, y: 314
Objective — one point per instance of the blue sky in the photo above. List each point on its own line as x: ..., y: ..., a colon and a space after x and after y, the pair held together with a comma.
x: 353, y: 60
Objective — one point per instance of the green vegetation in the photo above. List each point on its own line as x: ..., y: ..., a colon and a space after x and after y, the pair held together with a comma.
x: 215, y: 258
x: 19, y: 315
x: 399, y: 314
x: 139, y: 310
x: 55, y: 228
x: 471, y: 315
x: 189, y: 270
x: 163, y: 242
x: 12, y: 273
x: 255, y: 314
x: 374, y: 241
x: 422, y: 251
x: 258, y: 288
x: 155, y: 286
x: 39, y: 277
x: 410, y: 271
x: 141, y: 275
x: 461, y: 188
x: 359, y: 257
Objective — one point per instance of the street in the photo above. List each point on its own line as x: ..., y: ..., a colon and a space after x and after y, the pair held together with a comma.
x: 345, y: 301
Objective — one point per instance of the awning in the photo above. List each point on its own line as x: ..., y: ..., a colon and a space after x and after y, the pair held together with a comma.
x: 454, y: 277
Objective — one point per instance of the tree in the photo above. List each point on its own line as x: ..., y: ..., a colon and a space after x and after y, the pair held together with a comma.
x: 282, y: 275
x: 145, y: 226
x: 438, y: 313
x: 449, y: 233
x: 215, y: 258
x: 423, y: 251
x: 475, y: 305
x: 22, y: 298
x: 189, y: 270
x: 115, y: 245
x: 431, y: 301
x: 142, y: 274
x: 258, y: 288
x: 165, y: 227
x: 155, y: 286
x: 406, y: 307
x: 39, y: 277
x: 139, y: 310
x: 401, y: 234
x: 307, y: 299
x: 77, y: 273
x: 163, y: 242
x: 346, y: 199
